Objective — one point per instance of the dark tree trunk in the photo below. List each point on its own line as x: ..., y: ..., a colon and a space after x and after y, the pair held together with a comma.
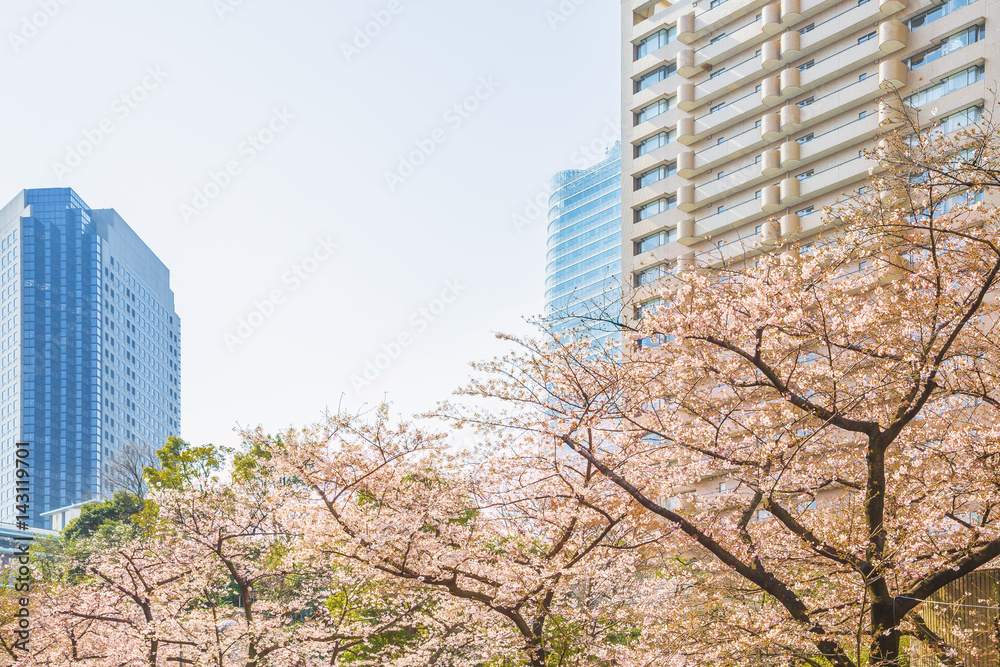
x: 885, y: 637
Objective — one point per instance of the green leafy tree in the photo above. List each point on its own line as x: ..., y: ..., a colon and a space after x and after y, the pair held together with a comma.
x: 104, y: 516
x: 182, y: 464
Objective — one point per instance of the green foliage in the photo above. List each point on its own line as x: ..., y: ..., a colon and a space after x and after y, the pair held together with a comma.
x: 105, y: 517
x: 392, y: 642
x: 182, y: 464
x: 251, y: 465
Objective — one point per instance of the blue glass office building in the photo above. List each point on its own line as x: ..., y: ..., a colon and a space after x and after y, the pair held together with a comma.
x: 584, y: 261
x: 90, y: 347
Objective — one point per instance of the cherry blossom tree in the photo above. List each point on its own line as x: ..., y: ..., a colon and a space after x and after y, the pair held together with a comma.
x: 818, y: 427
x: 532, y: 556
x: 214, y: 579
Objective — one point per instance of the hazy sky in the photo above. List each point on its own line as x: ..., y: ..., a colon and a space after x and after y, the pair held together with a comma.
x: 341, y: 194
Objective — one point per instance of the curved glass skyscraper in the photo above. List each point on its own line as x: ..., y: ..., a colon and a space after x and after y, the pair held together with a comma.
x: 584, y: 260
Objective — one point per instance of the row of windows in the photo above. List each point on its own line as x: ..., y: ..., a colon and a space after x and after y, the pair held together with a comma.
x: 652, y: 274
x: 654, y: 77
x: 960, y: 119
x: 655, y: 208
x: 656, y: 174
x: 950, y: 44
x: 658, y: 140
x: 949, y: 84
x: 933, y: 14
x: 655, y: 41
x: 655, y: 109
x: 655, y: 241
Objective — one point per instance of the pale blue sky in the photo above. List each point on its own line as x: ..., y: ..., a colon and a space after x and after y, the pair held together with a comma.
x: 198, y: 80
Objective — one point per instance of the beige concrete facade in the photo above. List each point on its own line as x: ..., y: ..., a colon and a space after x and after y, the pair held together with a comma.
x: 743, y: 118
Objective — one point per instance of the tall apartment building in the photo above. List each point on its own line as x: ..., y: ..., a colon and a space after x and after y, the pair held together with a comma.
x: 583, y: 262
x: 739, y: 111
x: 743, y: 118
x: 90, y: 346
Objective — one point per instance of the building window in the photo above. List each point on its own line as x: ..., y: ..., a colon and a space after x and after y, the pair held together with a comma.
x: 718, y: 38
x: 960, y: 119
x: 948, y: 45
x: 645, y: 308
x: 806, y: 102
x: 655, y: 41
x: 758, y: 123
x: 720, y: 174
x: 806, y: 174
x: 656, y: 141
x: 651, y: 275
x: 862, y: 114
x: 657, y: 75
x: 715, y: 3
x: 807, y: 65
x: 756, y: 195
x: 805, y: 211
x: 961, y: 199
x: 720, y: 141
x: 656, y: 207
x: 756, y: 160
x: 655, y: 241
x: 721, y: 209
x: 949, y: 84
x: 806, y: 139
x: 656, y: 174
x: 716, y: 73
x: 862, y: 76
x: 759, y: 229
x: 931, y: 15
x: 808, y: 28
x: 655, y: 109
x: 717, y: 107
x: 866, y: 38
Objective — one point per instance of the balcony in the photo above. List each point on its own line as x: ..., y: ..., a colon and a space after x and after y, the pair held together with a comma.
x: 659, y: 18
x: 711, y: 19
x: 732, y: 78
x: 659, y: 255
x: 737, y: 40
x: 665, y: 220
x: 736, y: 111
x: 850, y: 134
x: 743, y: 178
x: 661, y: 188
x: 730, y: 218
x: 666, y: 153
x: 661, y: 56
x: 653, y: 125
x: 665, y: 88
x: 788, y: 120
x: 790, y: 192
